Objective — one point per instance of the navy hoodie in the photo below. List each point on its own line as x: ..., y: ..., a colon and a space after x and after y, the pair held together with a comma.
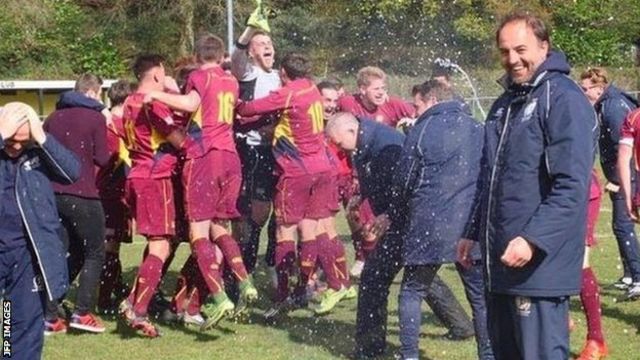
x: 537, y: 159
x: 612, y: 108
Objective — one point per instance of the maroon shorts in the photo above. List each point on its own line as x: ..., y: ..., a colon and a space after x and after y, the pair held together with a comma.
x: 305, y: 197
x: 117, y: 220
x: 151, y: 204
x: 212, y: 185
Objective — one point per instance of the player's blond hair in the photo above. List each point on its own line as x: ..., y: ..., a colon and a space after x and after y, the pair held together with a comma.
x: 367, y: 73
x: 598, y: 76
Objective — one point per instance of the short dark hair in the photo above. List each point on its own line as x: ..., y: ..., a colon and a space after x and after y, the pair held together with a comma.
x: 209, y: 48
x: 258, y: 33
x: 296, y: 66
x: 88, y: 81
x: 533, y: 22
x: 438, y: 70
x: 326, y: 85
x: 119, y: 91
x: 337, y: 83
x: 144, y: 63
x: 433, y: 88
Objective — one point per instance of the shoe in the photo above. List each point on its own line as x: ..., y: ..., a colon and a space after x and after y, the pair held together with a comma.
x: 158, y: 304
x: 88, y: 322
x: 220, y: 307
x: 141, y: 324
x: 623, y: 283
x: 350, y: 293
x: 458, y: 336
x: 356, y: 269
x: 55, y: 327
x: 291, y: 303
x: 192, y: 320
x: 593, y: 350
x: 168, y: 316
x: 248, y: 295
x: 330, y: 299
x: 634, y: 291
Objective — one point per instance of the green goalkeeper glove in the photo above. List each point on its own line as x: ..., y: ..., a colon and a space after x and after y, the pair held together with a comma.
x: 258, y: 18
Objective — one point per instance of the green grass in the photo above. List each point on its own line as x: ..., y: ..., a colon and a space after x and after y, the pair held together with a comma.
x: 304, y: 336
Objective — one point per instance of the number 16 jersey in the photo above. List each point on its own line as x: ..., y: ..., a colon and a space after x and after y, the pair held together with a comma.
x: 298, y: 141
x: 211, y: 125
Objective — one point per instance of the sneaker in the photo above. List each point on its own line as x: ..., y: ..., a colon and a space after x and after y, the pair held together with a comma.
x: 55, y: 327
x: 634, y: 291
x: 458, y: 335
x: 170, y: 317
x: 192, y: 320
x: 330, y: 299
x: 291, y: 303
x: 248, y: 295
x: 141, y: 324
x: 356, y: 269
x: 88, y: 322
x: 623, y: 283
x: 350, y: 293
x: 220, y: 307
x: 593, y: 350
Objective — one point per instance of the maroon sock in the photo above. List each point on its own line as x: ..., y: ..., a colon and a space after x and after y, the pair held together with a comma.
x: 146, y: 284
x: 109, y: 279
x: 232, y: 256
x: 285, y: 259
x: 172, y: 254
x: 180, y: 297
x: 308, y: 257
x: 208, y: 265
x: 197, y: 288
x: 590, y: 297
x: 341, y: 261
x: 326, y: 255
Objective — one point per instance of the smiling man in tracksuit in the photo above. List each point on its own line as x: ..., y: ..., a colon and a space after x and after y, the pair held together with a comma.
x: 531, y: 206
x: 32, y: 258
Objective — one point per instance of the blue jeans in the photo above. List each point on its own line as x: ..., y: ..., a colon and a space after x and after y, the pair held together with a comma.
x: 417, y: 282
x: 25, y: 292
x: 623, y: 229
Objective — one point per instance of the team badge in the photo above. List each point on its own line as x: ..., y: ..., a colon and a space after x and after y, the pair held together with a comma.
x: 523, y: 305
x: 529, y: 109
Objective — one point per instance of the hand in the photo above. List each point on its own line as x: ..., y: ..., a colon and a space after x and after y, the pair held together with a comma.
x: 632, y: 209
x: 406, y: 122
x: 149, y: 97
x: 463, y: 252
x: 171, y: 84
x: 35, y: 126
x: 518, y: 253
x: 12, y: 116
x: 380, y: 225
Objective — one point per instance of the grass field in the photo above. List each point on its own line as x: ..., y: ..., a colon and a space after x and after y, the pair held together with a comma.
x: 304, y: 336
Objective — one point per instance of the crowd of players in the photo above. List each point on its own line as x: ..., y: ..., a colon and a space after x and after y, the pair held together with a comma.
x: 229, y: 146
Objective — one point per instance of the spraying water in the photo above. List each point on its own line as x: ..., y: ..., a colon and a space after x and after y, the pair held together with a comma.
x: 447, y: 63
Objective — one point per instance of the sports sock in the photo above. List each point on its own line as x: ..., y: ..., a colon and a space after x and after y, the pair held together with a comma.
x: 232, y: 256
x: 341, y: 261
x: 327, y: 257
x: 590, y: 297
x: 146, y: 284
x: 204, y: 252
x: 285, y: 256
x: 308, y: 257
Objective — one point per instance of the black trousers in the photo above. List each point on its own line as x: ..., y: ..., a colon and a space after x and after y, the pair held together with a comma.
x: 83, y: 235
x: 380, y: 269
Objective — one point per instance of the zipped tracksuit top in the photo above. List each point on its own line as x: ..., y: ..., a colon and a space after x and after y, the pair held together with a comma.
x: 539, y: 151
x: 38, y: 166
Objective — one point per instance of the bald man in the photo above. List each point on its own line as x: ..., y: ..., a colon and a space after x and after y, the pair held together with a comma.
x: 32, y: 257
x: 374, y: 146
